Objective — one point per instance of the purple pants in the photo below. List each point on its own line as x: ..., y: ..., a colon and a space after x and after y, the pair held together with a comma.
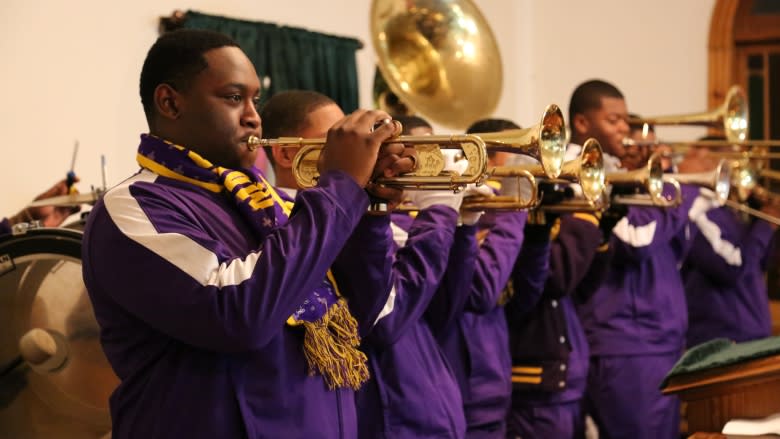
x: 563, y: 420
x: 624, y: 400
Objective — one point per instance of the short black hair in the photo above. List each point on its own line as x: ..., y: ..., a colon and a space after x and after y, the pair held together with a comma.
x: 285, y: 113
x: 491, y: 126
x: 587, y: 96
x: 411, y: 122
x: 175, y: 59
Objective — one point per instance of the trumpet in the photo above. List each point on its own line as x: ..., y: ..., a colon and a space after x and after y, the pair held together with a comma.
x: 718, y: 180
x: 587, y: 170
x: 545, y: 142
x: 746, y: 184
x: 504, y: 203
x: 732, y: 116
x: 750, y: 149
x: 429, y: 173
x: 650, y: 178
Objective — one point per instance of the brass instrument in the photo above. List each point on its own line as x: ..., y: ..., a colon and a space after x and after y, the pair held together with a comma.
x: 587, y: 170
x: 545, y: 141
x: 428, y: 175
x: 717, y: 180
x: 651, y: 179
x: 733, y: 116
x: 747, y: 186
x: 439, y: 57
x: 768, y: 173
x: 754, y: 212
x: 749, y: 149
x: 503, y: 203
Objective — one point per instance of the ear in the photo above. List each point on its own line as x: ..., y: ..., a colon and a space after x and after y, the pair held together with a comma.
x: 167, y: 101
x: 283, y: 157
x: 581, y: 124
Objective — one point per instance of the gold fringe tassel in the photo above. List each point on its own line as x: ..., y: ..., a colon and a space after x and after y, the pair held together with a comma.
x: 330, y: 345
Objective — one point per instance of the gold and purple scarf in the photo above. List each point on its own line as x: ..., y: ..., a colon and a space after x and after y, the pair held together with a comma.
x: 331, y: 337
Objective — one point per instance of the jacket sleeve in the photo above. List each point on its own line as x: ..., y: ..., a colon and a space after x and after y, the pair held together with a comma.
x: 497, y: 256
x: 645, y: 229
x: 168, y: 272
x: 364, y: 269
x: 419, y: 264
x: 723, y: 247
x: 529, y: 276
x: 448, y: 303
x: 572, y: 253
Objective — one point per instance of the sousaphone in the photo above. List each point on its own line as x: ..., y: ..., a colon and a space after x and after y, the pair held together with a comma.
x: 439, y: 58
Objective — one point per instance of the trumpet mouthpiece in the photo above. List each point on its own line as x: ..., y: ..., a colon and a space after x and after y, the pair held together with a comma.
x: 253, y: 142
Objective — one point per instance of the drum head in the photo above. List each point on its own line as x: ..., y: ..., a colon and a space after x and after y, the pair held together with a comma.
x: 41, y: 287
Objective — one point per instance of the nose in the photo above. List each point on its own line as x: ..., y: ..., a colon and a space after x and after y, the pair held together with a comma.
x: 623, y: 127
x: 250, y: 118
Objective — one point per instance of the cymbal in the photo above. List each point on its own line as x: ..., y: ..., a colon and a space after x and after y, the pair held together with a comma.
x: 67, y: 200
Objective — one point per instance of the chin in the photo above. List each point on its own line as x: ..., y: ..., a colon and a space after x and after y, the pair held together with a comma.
x: 248, y: 161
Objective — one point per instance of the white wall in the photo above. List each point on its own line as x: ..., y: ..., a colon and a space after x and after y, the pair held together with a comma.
x: 70, y: 69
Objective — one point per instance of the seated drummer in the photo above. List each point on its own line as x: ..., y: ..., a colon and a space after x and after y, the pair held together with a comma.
x: 48, y: 216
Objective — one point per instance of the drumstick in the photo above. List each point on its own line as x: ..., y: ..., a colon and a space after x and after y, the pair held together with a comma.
x: 71, y: 176
x: 103, y: 169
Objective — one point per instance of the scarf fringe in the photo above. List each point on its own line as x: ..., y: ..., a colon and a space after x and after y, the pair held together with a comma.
x: 330, y: 346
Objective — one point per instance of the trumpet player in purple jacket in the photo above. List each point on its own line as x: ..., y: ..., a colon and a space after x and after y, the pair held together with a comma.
x: 549, y: 350
x: 413, y: 393
x: 476, y: 343
x: 635, y: 321
x: 215, y: 299
x: 724, y: 271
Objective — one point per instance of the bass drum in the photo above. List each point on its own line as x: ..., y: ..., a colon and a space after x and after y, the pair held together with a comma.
x: 41, y: 288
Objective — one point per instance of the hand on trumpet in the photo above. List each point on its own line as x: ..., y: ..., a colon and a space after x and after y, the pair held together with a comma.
x: 427, y: 198
x: 609, y: 218
x: 353, y: 144
x: 468, y: 217
x: 393, y: 160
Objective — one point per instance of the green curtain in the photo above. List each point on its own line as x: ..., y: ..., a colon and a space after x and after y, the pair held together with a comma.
x: 292, y: 58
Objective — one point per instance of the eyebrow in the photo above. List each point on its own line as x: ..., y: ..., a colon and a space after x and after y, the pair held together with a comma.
x: 240, y: 86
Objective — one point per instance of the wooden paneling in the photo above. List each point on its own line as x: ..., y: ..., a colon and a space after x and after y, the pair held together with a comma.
x: 751, y: 28
x: 715, y: 396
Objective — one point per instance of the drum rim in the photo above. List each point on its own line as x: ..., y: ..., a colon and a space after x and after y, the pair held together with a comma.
x: 44, y: 240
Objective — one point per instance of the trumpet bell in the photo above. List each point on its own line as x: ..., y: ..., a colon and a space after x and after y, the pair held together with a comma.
x: 732, y: 116
x: 736, y: 115
x: 650, y: 178
x: 718, y: 180
x: 545, y: 141
x: 590, y: 172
